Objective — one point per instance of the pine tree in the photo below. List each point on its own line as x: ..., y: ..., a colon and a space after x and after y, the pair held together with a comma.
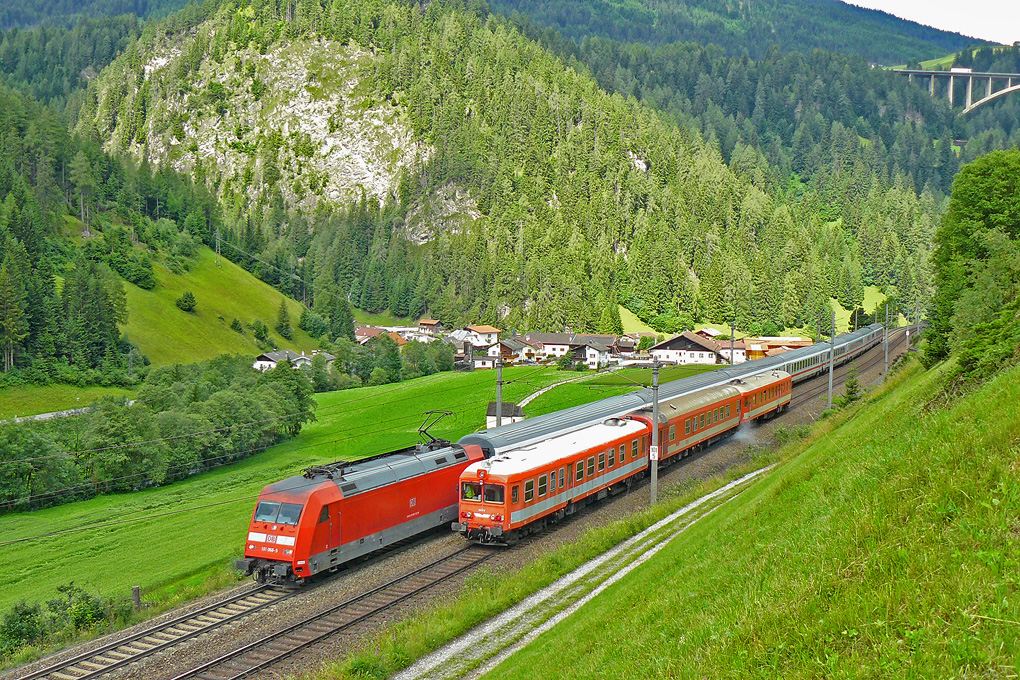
x: 13, y: 320
x: 186, y: 302
x: 283, y: 321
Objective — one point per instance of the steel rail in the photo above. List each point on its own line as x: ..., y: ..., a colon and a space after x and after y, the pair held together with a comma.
x: 284, y: 643
x: 133, y: 647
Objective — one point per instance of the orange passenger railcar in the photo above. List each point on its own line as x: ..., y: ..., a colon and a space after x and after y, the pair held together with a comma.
x: 764, y: 395
x: 518, y: 492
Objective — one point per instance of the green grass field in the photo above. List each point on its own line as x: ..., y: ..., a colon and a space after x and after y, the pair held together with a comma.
x: 28, y: 400
x: 889, y: 547
x: 167, y: 335
x: 202, y: 540
x: 631, y: 322
x: 381, y: 319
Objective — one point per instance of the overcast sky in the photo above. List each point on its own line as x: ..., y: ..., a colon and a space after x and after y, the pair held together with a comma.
x: 995, y: 20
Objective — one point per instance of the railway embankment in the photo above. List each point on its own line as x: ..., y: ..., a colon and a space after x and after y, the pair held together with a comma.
x: 885, y: 543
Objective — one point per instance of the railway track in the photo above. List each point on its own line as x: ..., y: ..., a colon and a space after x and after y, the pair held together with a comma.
x: 277, y: 646
x: 808, y: 390
x: 111, y: 656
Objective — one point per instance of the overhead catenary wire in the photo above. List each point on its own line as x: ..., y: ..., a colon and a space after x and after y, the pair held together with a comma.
x: 90, y: 527
x: 370, y: 427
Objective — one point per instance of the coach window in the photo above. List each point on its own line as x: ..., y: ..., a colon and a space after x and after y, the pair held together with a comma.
x: 543, y: 485
x: 515, y: 495
x: 602, y: 461
x: 623, y: 453
x: 529, y: 490
x: 612, y: 457
x: 563, y: 477
x: 552, y: 480
x: 633, y: 449
x: 494, y: 493
x: 727, y: 410
x: 471, y: 491
x: 672, y: 432
x: 701, y: 422
x: 687, y: 426
x: 580, y: 471
x: 591, y: 466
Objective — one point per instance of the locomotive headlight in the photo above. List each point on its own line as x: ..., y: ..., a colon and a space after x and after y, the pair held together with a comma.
x: 467, y: 515
x: 251, y: 546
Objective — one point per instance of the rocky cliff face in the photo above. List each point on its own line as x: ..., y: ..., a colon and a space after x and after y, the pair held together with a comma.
x: 300, y: 119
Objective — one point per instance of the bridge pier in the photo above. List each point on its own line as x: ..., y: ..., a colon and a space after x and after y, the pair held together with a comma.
x: 970, y: 91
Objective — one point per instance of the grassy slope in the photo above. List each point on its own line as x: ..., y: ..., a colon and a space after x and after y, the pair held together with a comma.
x: 888, y: 548
x: 158, y: 551
x: 28, y: 400
x: 631, y: 322
x: 167, y: 335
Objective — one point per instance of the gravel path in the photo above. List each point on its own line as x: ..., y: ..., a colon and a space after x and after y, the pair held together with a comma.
x: 736, y: 450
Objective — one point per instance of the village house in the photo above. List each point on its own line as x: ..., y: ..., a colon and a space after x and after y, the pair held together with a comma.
x: 483, y: 336
x: 430, y: 327
x: 513, y: 350
x: 739, y: 351
x: 363, y: 334
x: 268, y: 360
x: 553, y: 345
x: 687, y: 348
x: 593, y: 354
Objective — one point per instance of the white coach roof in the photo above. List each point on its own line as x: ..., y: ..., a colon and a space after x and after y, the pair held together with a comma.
x: 522, y: 459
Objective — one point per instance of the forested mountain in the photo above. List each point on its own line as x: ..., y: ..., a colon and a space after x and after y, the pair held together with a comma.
x: 524, y: 194
x: 745, y: 27
x: 30, y: 13
x: 62, y: 278
x: 54, y: 63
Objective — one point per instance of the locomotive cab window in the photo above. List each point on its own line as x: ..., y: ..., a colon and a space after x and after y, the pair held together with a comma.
x: 471, y: 491
x: 494, y: 493
x: 529, y: 490
x: 324, y: 515
x: 289, y: 514
x: 543, y: 485
x: 266, y: 511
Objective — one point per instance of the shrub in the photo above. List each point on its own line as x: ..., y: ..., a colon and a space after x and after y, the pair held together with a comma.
x: 186, y: 302
x: 20, y: 626
x: 235, y: 325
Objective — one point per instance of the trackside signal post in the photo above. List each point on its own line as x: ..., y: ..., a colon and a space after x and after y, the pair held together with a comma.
x: 654, y: 452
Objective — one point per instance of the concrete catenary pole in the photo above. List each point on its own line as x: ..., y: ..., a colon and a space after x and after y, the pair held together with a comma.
x: 499, y: 391
x: 885, y: 343
x: 654, y: 454
x: 832, y: 355
x: 733, y: 329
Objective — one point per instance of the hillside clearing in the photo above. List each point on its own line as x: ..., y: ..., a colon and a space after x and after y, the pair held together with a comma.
x: 226, y: 292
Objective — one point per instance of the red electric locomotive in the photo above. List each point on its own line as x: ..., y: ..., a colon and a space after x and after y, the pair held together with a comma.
x: 331, y: 514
